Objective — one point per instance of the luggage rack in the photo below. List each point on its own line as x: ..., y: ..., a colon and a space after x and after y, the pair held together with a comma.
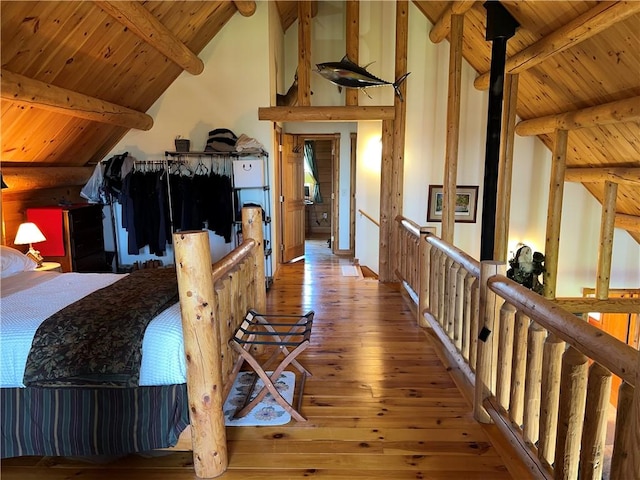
x: 290, y: 338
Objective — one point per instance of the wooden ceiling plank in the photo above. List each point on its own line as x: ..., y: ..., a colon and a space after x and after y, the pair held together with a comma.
x: 326, y: 114
x: 137, y: 18
x: 627, y: 110
x: 442, y: 27
x: 26, y: 91
x: 617, y: 175
x: 245, y: 8
x: 592, y: 22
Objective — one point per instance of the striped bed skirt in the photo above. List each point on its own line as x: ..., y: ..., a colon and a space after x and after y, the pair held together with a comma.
x: 91, y: 421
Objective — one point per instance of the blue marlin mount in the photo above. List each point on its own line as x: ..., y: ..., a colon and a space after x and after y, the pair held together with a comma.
x: 348, y: 74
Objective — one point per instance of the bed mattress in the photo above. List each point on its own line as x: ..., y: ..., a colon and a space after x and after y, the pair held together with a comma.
x: 29, y: 298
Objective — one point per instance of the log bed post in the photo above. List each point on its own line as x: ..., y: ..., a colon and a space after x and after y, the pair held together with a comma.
x: 202, y: 348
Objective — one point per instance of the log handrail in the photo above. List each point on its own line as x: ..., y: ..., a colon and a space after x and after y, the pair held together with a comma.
x: 468, y: 263
x: 229, y: 262
x: 608, y: 351
x: 369, y: 217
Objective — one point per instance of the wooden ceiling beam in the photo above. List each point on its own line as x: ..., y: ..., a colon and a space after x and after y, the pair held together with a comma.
x: 142, y: 23
x: 34, y: 93
x: 443, y: 26
x: 246, y: 9
x: 620, y: 175
x: 590, y: 23
x: 28, y: 179
x: 631, y: 223
x: 627, y: 110
x: 325, y: 114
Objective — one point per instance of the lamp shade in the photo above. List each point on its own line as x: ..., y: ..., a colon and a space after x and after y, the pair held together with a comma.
x: 28, y: 233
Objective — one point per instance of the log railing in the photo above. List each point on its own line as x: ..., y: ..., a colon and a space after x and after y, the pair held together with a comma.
x: 540, y: 373
x: 213, y: 301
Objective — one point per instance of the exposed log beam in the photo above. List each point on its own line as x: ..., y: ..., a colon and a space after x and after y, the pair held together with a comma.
x: 304, y: 53
x: 630, y: 223
x: 325, y: 114
x: 442, y: 27
x: 590, y: 23
x: 353, y: 44
x: 619, y: 175
x: 142, y: 23
x: 627, y: 110
x: 22, y: 179
x: 34, y: 93
x: 605, y: 251
x: 246, y: 9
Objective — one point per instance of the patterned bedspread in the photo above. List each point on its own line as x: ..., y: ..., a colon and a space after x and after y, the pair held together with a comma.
x: 98, y: 339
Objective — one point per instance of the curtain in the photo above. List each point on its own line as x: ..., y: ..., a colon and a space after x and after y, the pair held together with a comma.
x: 311, y: 166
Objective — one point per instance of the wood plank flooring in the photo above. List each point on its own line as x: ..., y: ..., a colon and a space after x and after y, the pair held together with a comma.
x: 380, y: 403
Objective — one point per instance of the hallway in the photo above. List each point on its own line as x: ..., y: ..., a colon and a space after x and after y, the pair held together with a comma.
x: 380, y: 403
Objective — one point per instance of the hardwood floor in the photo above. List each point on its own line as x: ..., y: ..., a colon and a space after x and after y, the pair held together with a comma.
x: 380, y: 403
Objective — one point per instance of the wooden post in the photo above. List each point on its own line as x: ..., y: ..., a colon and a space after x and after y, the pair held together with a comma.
x: 573, y: 393
x: 352, y: 44
x: 606, y: 239
x: 304, y: 54
x: 595, y: 423
x: 532, y: 392
x: 552, y: 368
x: 252, y: 227
x: 554, y: 213
x: 385, y: 268
x: 487, y: 353
x: 505, y: 354
x: 453, y: 128
x: 424, y: 250
x: 202, y: 348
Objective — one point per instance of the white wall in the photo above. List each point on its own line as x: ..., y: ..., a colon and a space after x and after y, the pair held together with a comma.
x: 235, y: 82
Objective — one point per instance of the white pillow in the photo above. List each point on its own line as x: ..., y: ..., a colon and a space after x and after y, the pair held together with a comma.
x: 13, y: 261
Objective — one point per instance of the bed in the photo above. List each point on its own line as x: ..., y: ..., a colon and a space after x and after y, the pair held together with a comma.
x: 181, y: 385
x: 97, y: 420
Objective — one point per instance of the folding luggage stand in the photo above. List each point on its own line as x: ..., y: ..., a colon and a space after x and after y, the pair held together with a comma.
x: 256, y: 329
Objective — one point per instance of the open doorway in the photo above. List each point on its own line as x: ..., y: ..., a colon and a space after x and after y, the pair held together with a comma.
x: 309, y: 186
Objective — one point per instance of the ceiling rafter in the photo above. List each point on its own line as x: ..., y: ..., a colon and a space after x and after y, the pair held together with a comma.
x: 326, y: 114
x: 443, y: 26
x: 27, y: 91
x: 605, y: 174
x: 590, y: 23
x: 626, y: 110
x: 245, y: 8
x: 142, y: 23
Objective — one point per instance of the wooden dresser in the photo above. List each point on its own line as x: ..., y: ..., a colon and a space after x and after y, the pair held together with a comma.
x: 74, y: 235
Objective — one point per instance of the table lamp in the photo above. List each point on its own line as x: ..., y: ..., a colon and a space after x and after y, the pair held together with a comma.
x: 29, y: 233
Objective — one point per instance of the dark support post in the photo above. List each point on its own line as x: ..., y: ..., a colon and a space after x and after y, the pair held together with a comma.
x: 500, y: 27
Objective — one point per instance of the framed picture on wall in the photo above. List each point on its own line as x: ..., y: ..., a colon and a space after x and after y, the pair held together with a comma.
x: 466, y: 203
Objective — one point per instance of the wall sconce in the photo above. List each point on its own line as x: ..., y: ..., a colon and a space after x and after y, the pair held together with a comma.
x: 29, y: 233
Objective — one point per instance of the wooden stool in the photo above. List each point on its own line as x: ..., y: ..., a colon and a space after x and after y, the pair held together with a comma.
x: 290, y: 338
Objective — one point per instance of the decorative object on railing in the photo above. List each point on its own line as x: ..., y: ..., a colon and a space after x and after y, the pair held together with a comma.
x: 526, y: 266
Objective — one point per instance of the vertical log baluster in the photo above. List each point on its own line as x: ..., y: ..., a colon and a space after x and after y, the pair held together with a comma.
x: 595, y: 423
x: 505, y: 354
x: 449, y: 297
x: 424, y: 292
x: 573, y: 394
x: 473, y: 326
x: 621, y: 446
x: 442, y: 304
x: 552, y: 368
x: 452, y: 296
x: 433, y: 282
x: 533, y: 383
x: 466, y: 317
x: 516, y: 400
x: 459, y: 309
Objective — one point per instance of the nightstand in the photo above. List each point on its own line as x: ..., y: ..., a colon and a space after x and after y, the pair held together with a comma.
x: 49, y: 267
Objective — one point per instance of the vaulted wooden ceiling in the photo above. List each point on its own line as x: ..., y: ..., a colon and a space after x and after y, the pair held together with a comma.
x: 77, y: 75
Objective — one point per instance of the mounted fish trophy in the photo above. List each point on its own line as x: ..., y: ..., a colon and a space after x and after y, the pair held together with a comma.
x: 348, y: 74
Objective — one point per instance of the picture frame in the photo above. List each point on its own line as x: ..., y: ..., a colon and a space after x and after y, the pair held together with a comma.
x: 466, y: 203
